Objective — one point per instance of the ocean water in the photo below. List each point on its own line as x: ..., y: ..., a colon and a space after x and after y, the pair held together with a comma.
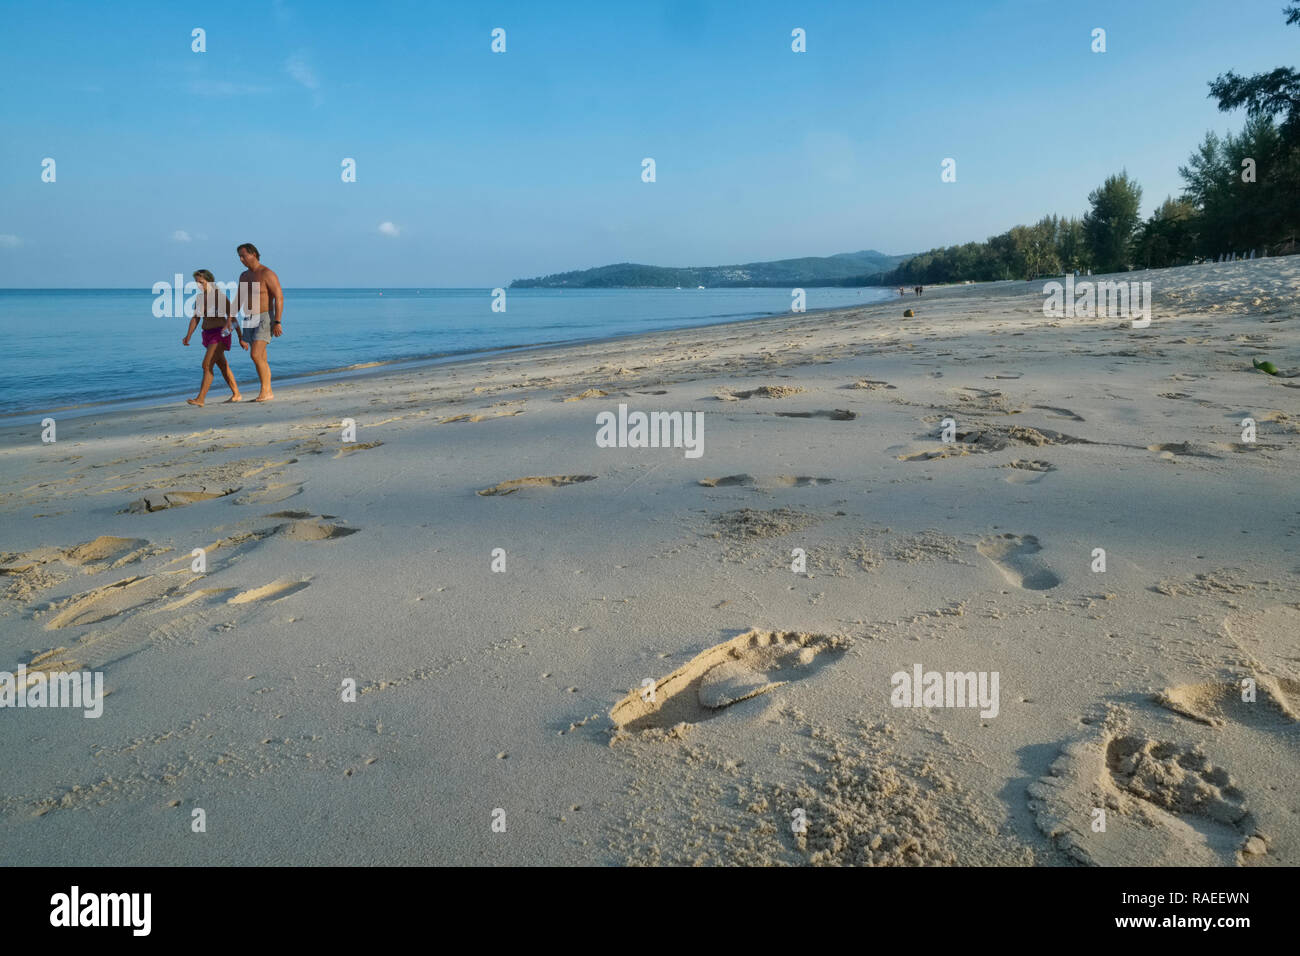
x: 69, y: 348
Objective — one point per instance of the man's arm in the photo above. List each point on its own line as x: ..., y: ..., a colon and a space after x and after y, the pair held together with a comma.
x: 277, y: 299
x: 194, y: 321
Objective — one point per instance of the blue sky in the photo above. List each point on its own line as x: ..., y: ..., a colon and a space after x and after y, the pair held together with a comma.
x: 491, y: 167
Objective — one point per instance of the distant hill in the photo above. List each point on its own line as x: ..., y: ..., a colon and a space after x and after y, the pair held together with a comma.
x: 844, y: 269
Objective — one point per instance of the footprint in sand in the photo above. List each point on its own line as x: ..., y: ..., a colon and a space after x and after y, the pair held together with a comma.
x: 1013, y: 555
x: 203, y: 597
x: 764, y: 481
x: 483, y: 416
x: 266, y: 466
x: 748, y: 523
x: 352, y: 448
x: 162, y: 500
x: 29, y: 571
x: 106, y: 552
x: 232, y: 545
x: 1267, y: 638
x: 1060, y: 413
x: 1276, y: 704
x: 746, y: 666
x: 998, y: 437
x: 869, y: 384
x: 273, y: 492
x: 589, y: 393
x: 1165, y: 804
x: 534, y: 481
x: 275, y: 591
x: 305, y: 529
x: 1174, y: 778
x: 990, y: 438
x: 111, y: 600
x: 1242, y: 448
x: 984, y: 400
x: 1170, y: 450
x: 834, y: 414
x: 1027, y: 471
x: 763, y: 391
x: 953, y: 450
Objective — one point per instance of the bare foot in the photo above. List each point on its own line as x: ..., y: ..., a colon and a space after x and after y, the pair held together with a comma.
x: 194, y: 401
x: 233, y: 398
x: 264, y: 398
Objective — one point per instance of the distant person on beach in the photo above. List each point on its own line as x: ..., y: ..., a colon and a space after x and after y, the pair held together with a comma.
x: 262, y: 301
x: 900, y: 291
x: 918, y: 289
x: 214, y: 309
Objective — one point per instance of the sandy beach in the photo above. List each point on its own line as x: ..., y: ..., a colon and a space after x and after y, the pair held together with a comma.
x: 637, y: 675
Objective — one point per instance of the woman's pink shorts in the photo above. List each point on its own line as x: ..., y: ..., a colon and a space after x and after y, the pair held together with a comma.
x: 218, y: 336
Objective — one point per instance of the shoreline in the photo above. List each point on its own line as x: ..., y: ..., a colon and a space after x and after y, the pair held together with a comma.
x: 390, y: 366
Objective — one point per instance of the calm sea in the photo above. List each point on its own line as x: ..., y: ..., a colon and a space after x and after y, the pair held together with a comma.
x: 67, y: 348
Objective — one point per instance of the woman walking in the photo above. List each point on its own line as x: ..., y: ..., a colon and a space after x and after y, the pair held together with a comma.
x: 213, y: 307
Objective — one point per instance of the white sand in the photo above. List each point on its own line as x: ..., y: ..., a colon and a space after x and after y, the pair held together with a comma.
x: 481, y: 690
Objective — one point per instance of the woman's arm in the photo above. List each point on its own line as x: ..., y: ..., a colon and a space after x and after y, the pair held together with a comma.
x: 233, y: 323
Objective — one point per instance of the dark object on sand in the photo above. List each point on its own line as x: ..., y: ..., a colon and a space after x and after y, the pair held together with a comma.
x: 1264, y: 366
x: 909, y: 314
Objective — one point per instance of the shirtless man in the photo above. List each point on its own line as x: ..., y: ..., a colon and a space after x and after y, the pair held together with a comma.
x: 262, y: 300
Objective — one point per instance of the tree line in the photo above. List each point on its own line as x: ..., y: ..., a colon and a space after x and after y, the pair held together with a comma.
x: 1241, y: 194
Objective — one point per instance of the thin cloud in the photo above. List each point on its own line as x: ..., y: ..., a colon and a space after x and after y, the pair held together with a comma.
x: 180, y: 235
x: 389, y: 229
x: 298, y: 68
x: 8, y: 241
